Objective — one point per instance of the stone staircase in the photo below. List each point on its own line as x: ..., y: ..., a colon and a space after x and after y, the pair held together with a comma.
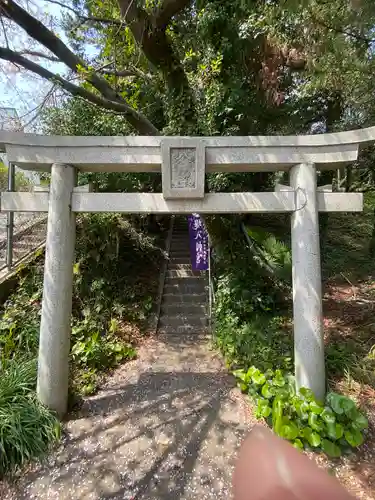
x: 184, y: 307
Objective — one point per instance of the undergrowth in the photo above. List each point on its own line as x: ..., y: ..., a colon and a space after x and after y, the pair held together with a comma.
x: 253, y: 330
x: 115, y: 280
x: 27, y: 428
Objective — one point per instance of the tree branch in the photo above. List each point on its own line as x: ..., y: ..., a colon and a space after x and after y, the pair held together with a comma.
x: 169, y: 9
x: 137, y: 120
x: 158, y: 49
x: 155, y: 44
x: 36, y: 53
x: 350, y: 34
x: 48, y: 39
x: 131, y: 71
x: 93, y: 19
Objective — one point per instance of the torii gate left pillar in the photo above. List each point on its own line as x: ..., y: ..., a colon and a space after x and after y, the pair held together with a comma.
x: 54, y: 340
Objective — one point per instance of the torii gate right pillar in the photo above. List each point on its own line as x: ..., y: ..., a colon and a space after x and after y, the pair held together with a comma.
x: 307, y: 288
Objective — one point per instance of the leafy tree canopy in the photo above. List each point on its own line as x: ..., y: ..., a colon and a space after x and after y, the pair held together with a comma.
x: 204, y: 67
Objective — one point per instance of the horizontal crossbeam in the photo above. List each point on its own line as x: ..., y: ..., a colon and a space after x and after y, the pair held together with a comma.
x: 148, y: 159
x: 222, y: 154
x: 212, y: 203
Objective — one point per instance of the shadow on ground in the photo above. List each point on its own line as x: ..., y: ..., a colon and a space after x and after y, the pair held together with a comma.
x: 166, y: 426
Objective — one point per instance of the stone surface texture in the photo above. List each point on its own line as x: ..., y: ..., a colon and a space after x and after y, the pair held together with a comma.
x: 144, y: 154
x: 164, y: 426
x: 183, y: 171
x: 183, y: 167
x: 54, y: 341
x: 307, y: 283
x: 280, y: 201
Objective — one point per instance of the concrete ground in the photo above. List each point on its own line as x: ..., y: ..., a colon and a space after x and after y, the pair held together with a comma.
x: 165, y: 426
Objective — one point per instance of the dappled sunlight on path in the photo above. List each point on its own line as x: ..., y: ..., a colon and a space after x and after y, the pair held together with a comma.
x: 165, y: 426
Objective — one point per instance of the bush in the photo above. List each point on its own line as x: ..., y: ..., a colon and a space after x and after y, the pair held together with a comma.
x: 333, y: 426
x: 261, y: 339
x: 27, y: 428
x: 249, y: 279
x: 113, y: 271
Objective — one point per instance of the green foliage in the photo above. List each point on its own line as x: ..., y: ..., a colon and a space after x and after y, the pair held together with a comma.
x: 260, y: 339
x: 242, y: 288
x: 271, y: 253
x: 27, y: 428
x: 334, y: 426
x: 22, y: 183
x: 78, y: 117
x: 95, y: 351
x: 248, y: 335
x: 112, y: 285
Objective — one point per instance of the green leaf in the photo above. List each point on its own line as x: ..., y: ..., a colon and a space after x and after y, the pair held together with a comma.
x: 277, y: 413
x: 328, y: 415
x: 335, y: 431
x: 340, y: 404
x: 301, y: 407
x: 316, y: 408
x: 297, y: 443
x: 263, y: 410
x: 313, y: 438
x: 258, y: 377
x: 331, y: 449
x: 354, y: 437
x: 252, y: 392
x: 288, y: 430
x: 267, y: 391
x: 242, y: 386
x: 307, y: 393
x: 359, y: 421
x: 240, y: 374
x: 250, y: 372
x: 279, y: 379
x: 315, y: 423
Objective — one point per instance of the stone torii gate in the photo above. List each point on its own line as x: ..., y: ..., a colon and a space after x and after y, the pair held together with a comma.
x: 183, y: 163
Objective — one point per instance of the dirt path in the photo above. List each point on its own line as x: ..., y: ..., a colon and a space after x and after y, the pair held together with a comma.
x: 165, y: 426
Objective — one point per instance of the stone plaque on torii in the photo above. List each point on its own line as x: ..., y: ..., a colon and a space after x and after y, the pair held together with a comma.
x: 183, y: 162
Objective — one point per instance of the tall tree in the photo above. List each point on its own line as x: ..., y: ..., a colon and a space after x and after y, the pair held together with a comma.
x: 209, y: 66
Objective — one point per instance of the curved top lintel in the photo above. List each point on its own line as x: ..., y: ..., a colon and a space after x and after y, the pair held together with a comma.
x: 359, y: 136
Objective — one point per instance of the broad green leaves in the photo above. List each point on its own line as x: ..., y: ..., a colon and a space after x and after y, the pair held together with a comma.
x: 300, y: 417
x: 340, y: 404
x: 332, y: 449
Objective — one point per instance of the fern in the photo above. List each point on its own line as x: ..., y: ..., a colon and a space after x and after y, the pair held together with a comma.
x: 274, y: 253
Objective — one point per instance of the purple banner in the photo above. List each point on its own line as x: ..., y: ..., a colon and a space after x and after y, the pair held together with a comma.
x: 198, y: 243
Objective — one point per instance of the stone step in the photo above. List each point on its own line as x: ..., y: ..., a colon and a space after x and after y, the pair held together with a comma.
x: 184, y: 290
x: 180, y: 245
x: 176, y: 267
x: 180, y: 250
x: 179, y: 260
x: 185, y: 267
x: 170, y: 330
x: 199, y: 308
x: 183, y: 273
x: 179, y: 254
x: 171, y: 298
x: 186, y: 280
x: 176, y: 321
x: 181, y: 240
